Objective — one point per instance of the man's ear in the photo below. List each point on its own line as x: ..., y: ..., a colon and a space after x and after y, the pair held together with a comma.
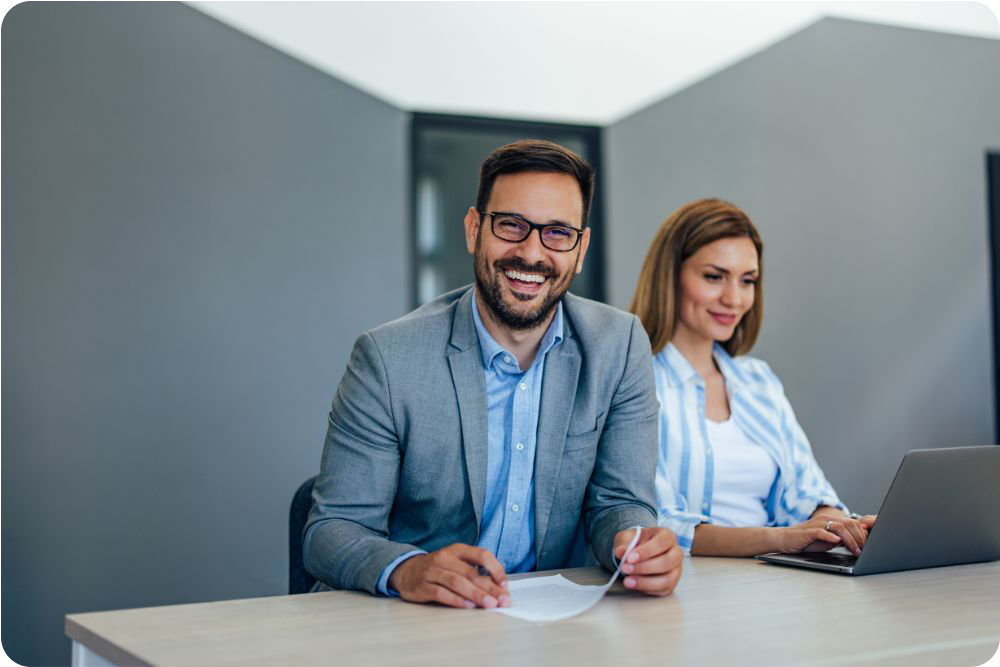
x: 584, y: 244
x: 471, y: 229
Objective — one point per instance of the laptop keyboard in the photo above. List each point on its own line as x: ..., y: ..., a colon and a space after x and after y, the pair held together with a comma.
x: 830, y: 558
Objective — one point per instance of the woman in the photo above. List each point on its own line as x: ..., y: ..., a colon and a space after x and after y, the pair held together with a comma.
x: 736, y: 475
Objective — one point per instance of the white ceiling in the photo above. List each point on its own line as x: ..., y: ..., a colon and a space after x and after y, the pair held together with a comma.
x: 567, y: 61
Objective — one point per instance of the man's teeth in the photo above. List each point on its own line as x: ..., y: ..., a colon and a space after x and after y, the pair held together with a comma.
x: 525, y: 277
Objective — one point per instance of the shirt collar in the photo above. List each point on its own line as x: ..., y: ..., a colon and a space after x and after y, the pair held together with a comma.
x: 491, y: 349
x: 680, y: 371
x: 730, y: 371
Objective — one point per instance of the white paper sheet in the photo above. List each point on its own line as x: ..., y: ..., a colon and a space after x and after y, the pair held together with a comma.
x: 556, y: 598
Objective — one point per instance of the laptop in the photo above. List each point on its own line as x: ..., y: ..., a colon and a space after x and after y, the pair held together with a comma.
x: 943, y: 508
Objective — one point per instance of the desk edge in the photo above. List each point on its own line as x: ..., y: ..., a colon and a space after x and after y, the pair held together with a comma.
x: 106, y: 649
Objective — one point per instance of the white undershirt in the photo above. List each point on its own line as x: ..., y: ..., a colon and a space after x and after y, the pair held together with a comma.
x: 742, y: 477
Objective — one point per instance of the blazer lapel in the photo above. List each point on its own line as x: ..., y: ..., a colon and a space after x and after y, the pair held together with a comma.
x: 466, y: 364
x: 562, y: 370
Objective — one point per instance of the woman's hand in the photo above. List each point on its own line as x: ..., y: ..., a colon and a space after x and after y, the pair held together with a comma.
x: 823, y: 532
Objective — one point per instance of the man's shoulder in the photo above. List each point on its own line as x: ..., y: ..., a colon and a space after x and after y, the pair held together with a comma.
x: 429, y: 322
x: 596, y: 322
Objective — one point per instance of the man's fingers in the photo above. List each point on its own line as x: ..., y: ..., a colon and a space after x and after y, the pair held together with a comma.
x: 482, y: 558
x: 622, y: 540
x: 483, y: 582
x: 652, y: 542
x: 474, y: 574
x: 501, y: 593
x: 452, y: 576
x: 655, y: 585
x: 441, y: 595
x: 463, y: 587
x: 462, y: 566
x: 660, y: 564
x: 659, y: 542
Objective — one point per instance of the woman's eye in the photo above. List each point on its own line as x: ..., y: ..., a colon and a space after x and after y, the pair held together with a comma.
x: 749, y: 281
x: 713, y: 277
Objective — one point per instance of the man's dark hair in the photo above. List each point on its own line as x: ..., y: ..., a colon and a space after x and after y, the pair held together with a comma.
x: 535, y: 155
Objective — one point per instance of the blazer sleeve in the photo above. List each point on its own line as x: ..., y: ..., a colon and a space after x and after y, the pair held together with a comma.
x: 346, y: 541
x: 620, y: 492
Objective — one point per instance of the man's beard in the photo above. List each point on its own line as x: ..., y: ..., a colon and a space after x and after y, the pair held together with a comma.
x: 492, y: 291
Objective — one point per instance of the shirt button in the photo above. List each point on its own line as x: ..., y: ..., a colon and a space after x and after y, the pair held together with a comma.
x: 519, y: 446
x: 704, y: 506
x: 506, y: 359
x: 523, y: 385
x: 514, y: 508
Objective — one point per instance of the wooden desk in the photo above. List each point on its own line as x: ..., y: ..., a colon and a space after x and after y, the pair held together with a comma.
x: 724, y: 612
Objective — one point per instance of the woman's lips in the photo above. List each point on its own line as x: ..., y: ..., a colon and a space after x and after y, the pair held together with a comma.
x: 723, y: 319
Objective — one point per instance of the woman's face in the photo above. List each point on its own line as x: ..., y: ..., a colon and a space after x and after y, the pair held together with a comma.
x: 717, y: 287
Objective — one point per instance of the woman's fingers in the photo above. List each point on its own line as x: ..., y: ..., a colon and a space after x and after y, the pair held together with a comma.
x: 847, y: 536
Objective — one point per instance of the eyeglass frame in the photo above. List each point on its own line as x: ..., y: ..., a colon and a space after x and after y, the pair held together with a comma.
x: 532, y: 226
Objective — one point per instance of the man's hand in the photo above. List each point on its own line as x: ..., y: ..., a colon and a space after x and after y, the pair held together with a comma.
x: 654, y: 566
x: 450, y: 576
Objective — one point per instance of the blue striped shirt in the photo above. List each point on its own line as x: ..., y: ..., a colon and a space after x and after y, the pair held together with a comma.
x: 513, y: 398
x: 684, y: 473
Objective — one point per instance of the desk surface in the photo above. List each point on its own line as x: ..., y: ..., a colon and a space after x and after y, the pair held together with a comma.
x: 724, y: 611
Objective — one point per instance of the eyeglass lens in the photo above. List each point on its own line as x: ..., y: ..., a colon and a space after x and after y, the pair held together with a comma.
x: 554, y: 237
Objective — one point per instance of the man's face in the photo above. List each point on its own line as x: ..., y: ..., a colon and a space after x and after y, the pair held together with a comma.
x: 520, y: 283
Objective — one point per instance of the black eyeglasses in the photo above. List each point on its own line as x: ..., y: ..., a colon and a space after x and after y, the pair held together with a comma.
x: 514, y: 228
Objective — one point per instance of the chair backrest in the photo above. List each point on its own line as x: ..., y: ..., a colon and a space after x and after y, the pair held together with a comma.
x: 299, y: 580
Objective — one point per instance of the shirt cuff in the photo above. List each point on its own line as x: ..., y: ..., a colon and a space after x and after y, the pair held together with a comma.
x: 831, y: 502
x: 683, y: 526
x: 383, y: 579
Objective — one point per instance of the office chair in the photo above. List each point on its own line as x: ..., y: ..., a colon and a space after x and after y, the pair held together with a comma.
x: 299, y: 580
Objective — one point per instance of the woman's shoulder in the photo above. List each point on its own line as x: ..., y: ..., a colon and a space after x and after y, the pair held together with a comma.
x: 755, y: 373
x: 755, y: 367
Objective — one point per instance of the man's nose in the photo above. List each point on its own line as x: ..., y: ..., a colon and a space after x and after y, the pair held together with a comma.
x: 531, y: 249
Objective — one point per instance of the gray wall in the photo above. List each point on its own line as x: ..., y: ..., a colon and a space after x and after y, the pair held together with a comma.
x: 195, y: 229
x: 859, y: 151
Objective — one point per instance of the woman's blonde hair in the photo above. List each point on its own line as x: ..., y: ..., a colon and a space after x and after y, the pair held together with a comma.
x: 687, y: 230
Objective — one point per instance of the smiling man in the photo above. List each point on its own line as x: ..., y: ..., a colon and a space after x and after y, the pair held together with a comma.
x: 502, y: 427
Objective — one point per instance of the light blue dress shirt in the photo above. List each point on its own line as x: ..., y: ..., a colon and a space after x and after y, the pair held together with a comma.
x: 685, y: 470
x: 513, y: 398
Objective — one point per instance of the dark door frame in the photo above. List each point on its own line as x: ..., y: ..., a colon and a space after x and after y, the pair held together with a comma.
x: 993, y: 214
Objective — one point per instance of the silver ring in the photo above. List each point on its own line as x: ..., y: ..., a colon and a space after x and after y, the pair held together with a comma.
x: 828, y: 524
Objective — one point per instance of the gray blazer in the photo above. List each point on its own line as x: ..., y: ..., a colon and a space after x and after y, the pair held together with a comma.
x: 404, y: 464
